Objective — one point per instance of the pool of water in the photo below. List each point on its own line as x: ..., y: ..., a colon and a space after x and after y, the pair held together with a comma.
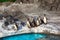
x: 31, y: 36
x: 24, y: 37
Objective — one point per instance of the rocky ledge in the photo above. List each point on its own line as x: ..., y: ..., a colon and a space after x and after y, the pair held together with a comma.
x: 16, y: 10
x: 45, y: 29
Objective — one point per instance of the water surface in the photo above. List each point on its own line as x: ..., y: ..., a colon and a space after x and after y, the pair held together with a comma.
x: 25, y: 37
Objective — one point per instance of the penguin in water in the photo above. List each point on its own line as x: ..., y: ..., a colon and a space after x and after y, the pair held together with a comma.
x: 45, y: 19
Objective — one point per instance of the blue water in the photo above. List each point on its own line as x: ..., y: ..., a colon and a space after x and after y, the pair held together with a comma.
x: 24, y: 37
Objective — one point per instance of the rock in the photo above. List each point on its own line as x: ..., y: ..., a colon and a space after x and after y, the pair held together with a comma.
x: 51, y: 5
x: 27, y: 1
x: 7, y: 3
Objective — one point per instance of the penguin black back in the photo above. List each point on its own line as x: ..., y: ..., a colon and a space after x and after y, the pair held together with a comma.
x: 35, y: 21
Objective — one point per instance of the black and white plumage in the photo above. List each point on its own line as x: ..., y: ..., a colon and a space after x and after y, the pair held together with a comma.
x: 28, y: 23
x: 45, y: 19
x: 34, y: 21
x: 39, y: 20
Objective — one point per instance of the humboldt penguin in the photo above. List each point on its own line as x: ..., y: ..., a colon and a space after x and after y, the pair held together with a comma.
x: 28, y: 23
x: 39, y: 21
x: 45, y: 19
x: 15, y: 26
x: 35, y: 21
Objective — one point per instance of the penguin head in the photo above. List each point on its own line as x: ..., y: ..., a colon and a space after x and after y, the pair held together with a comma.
x: 39, y: 18
x: 44, y: 14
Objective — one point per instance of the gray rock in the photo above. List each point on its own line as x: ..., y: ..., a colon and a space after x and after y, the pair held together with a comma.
x: 51, y: 5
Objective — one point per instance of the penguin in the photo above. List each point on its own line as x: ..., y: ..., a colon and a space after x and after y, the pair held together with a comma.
x: 15, y: 26
x: 39, y: 21
x: 35, y: 21
x: 28, y: 23
x: 45, y: 19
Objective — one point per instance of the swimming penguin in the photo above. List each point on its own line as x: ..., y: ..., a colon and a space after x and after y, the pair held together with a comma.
x: 45, y: 19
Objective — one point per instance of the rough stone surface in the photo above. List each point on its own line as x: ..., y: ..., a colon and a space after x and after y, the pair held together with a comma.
x: 20, y: 10
x: 27, y: 1
x: 51, y: 5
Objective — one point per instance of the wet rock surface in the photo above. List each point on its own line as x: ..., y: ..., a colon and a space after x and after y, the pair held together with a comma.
x: 50, y: 37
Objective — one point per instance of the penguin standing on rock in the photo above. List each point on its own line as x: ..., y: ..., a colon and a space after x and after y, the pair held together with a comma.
x: 45, y: 19
x: 15, y: 24
x: 15, y: 27
x: 35, y: 21
x: 39, y: 21
x: 28, y: 23
x: 10, y: 20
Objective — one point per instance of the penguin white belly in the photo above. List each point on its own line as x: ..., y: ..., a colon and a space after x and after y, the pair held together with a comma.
x: 15, y: 27
x: 45, y: 20
x: 28, y: 24
x: 37, y: 22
